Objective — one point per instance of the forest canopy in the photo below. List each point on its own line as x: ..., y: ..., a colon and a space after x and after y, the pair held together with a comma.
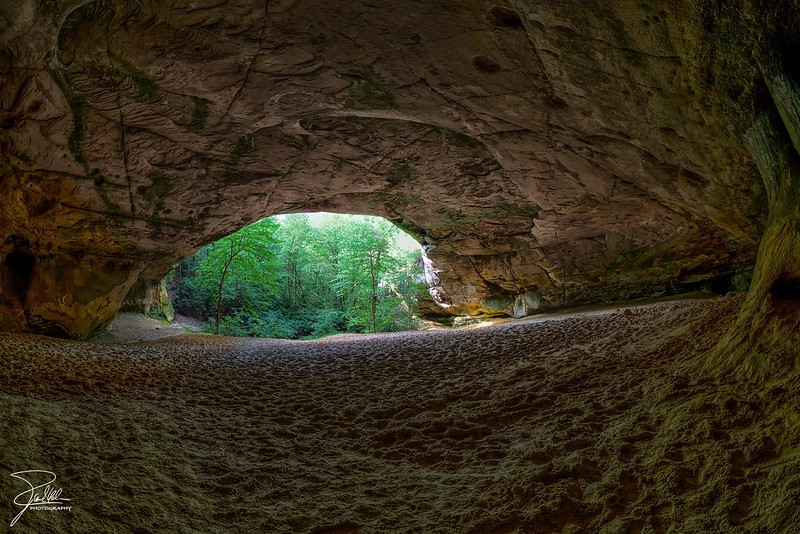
x: 301, y: 277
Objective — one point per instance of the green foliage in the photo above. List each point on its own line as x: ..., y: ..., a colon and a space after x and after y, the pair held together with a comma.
x: 294, y: 280
x: 349, y: 271
x: 188, y: 297
x: 245, y: 256
x: 245, y: 323
x: 155, y: 312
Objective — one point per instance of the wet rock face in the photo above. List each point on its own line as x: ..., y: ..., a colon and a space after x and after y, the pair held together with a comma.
x: 569, y: 151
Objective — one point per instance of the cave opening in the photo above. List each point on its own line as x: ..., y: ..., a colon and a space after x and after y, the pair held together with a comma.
x: 785, y: 295
x: 549, y: 155
x: 19, y: 266
x: 303, y: 276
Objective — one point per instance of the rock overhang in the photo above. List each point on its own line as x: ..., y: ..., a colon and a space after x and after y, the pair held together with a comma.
x: 571, y: 151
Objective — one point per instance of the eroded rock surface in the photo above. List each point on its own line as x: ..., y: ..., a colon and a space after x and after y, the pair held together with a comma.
x: 570, y: 152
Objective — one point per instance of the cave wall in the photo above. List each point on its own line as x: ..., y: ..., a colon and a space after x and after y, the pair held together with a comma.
x: 572, y: 151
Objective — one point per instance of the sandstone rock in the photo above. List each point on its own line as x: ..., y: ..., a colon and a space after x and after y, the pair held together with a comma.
x: 582, y: 152
x: 526, y: 304
x: 151, y: 300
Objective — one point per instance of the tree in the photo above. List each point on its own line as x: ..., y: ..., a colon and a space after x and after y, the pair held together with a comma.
x: 340, y: 273
x: 245, y: 256
x: 294, y: 236
x: 407, y: 284
x: 365, y: 262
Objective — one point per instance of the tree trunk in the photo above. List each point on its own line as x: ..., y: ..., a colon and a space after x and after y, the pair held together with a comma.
x: 765, y: 339
x: 373, y: 292
x: 219, y: 290
x: 301, y: 290
x: 409, y: 315
x: 371, y: 295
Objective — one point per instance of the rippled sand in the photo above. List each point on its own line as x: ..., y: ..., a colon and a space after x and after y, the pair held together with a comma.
x: 591, y: 423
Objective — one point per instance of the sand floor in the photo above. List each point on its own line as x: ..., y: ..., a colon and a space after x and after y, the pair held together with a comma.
x: 128, y: 327
x: 586, y: 423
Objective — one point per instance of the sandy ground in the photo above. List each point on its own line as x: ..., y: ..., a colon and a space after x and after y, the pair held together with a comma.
x: 128, y: 327
x: 190, y: 323
x: 586, y: 423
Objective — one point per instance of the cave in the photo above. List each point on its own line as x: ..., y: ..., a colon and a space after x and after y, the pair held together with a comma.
x: 572, y: 166
x: 785, y: 295
x: 18, y: 265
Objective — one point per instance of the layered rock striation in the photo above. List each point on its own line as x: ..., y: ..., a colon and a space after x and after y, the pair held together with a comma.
x: 546, y: 154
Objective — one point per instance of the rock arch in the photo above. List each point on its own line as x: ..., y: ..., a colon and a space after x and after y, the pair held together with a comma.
x: 573, y: 152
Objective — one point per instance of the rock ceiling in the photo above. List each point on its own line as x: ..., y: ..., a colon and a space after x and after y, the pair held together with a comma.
x: 577, y: 151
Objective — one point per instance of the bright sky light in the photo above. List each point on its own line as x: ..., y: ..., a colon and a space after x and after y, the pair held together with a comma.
x: 404, y: 242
